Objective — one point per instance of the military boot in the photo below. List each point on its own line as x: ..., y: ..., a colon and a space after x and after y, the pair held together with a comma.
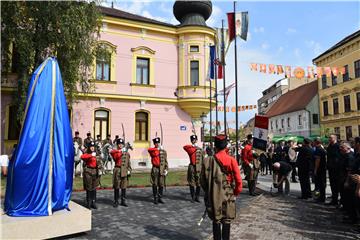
x: 217, y: 231
x: 225, y: 231
x: 93, y: 199
x: 116, y: 197
x: 160, y: 194
x: 197, y: 194
x: 123, y: 201
x: 192, y: 192
x: 155, y: 194
x: 88, y: 200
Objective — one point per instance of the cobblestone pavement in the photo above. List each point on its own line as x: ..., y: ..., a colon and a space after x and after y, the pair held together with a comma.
x: 176, y: 219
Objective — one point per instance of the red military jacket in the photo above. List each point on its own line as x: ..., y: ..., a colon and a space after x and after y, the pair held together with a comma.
x: 191, y: 151
x: 231, y: 167
x: 155, y: 156
x: 246, y: 154
x: 116, y: 154
x: 89, y: 159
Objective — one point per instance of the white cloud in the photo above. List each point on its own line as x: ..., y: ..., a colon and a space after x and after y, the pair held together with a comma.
x: 297, y: 52
x: 214, y: 20
x: 280, y: 49
x: 145, y: 13
x: 315, y: 46
x: 291, y: 30
x: 259, y: 30
x: 134, y: 7
x: 265, y: 46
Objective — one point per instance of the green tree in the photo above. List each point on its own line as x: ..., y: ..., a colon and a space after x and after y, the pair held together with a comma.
x: 34, y: 30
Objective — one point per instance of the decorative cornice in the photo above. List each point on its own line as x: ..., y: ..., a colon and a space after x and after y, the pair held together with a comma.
x: 149, y: 50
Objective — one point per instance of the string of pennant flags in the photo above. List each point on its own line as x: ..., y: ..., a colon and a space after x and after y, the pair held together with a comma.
x: 240, y: 108
x: 298, y: 72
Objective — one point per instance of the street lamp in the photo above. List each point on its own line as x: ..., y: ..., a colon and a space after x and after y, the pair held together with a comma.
x: 203, y: 121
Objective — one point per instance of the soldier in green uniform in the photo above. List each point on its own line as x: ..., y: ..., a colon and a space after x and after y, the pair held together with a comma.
x: 196, y: 156
x: 92, y: 174
x: 159, y: 170
x: 220, y: 178
x: 122, y: 171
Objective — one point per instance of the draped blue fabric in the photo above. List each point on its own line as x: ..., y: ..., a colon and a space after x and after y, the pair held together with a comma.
x: 29, y: 190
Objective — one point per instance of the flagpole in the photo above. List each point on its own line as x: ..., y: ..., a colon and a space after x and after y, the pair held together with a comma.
x: 216, y: 97
x: 210, y: 103
x: 236, y: 93
x: 223, y: 64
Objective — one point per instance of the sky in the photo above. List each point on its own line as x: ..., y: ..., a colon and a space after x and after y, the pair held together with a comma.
x: 282, y: 32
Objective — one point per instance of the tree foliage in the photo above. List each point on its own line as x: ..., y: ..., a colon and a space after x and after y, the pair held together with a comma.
x: 67, y: 30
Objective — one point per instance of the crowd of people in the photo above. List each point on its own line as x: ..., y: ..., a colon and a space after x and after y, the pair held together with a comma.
x: 313, y: 161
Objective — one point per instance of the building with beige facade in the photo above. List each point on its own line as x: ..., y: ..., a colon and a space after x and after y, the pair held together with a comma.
x: 339, y: 96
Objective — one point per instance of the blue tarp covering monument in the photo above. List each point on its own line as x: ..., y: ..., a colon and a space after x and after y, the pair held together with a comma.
x: 41, y: 170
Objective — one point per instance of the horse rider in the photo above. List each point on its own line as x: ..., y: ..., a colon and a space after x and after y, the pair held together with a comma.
x: 98, y: 143
x: 220, y: 179
x: 78, y: 139
x: 122, y: 171
x: 108, y: 140
x: 87, y: 140
x: 159, y: 169
x: 92, y: 174
x: 196, y: 156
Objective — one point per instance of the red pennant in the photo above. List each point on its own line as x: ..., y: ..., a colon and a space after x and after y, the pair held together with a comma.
x: 342, y: 70
x: 280, y: 69
x: 310, y: 72
x: 271, y: 68
x: 319, y: 72
x: 334, y: 71
x: 231, y: 25
x: 220, y: 71
x: 287, y: 71
x: 253, y: 67
x: 263, y: 68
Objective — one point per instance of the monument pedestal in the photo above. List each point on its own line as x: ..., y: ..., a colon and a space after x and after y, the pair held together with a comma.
x: 61, y: 223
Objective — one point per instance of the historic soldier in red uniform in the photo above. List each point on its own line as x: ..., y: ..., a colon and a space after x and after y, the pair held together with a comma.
x: 248, y: 165
x: 122, y: 171
x: 196, y: 156
x: 159, y: 170
x: 92, y: 173
x: 220, y: 178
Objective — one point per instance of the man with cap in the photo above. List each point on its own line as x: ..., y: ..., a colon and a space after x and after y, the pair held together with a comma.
x: 92, y: 174
x: 78, y: 139
x: 248, y: 164
x: 220, y: 179
x: 196, y: 156
x: 159, y: 169
x: 108, y: 140
x: 122, y: 171
x: 87, y: 140
x: 303, y: 162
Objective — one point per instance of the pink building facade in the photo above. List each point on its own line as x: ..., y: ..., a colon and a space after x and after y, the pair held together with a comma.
x: 151, y: 73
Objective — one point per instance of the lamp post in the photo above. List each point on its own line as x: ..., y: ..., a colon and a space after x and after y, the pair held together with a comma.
x: 203, y: 121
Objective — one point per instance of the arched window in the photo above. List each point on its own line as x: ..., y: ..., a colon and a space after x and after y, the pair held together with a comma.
x: 141, y: 126
x: 101, y: 123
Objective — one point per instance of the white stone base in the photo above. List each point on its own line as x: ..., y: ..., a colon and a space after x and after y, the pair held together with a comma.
x: 61, y: 223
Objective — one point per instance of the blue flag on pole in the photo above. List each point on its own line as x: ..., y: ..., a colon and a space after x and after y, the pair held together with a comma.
x: 212, y: 62
x: 40, y: 172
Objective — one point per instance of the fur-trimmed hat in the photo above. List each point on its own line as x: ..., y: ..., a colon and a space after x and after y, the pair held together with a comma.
x: 88, y: 134
x: 120, y: 141
x: 220, y: 141
x: 156, y: 140
x: 249, y: 137
x: 76, y: 132
x: 193, y: 138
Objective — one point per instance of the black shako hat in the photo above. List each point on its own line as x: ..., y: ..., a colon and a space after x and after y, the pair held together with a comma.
x: 220, y: 141
x: 156, y: 140
x: 92, y: 144
x: 249, y: 137
x: 120, y: 141
x: 193, y: 137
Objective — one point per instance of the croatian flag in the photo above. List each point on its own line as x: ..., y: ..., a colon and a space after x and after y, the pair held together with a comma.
x: 260, y: 132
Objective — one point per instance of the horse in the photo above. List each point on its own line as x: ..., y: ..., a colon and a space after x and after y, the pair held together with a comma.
x: 106, y: 157
x: 77, y: 160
